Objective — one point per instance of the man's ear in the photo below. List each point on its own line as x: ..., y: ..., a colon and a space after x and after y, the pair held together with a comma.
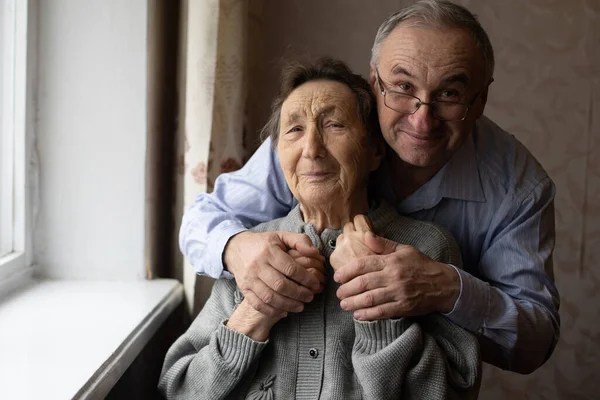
x: 483, y: 99
x: 373, y: 78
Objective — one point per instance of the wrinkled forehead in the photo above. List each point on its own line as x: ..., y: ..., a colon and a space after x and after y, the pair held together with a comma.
x: 316, y: 98
x: 430, y: 53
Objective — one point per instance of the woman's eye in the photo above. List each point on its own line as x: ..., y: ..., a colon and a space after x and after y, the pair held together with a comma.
x: 334, y: 125
x: 295, y: 129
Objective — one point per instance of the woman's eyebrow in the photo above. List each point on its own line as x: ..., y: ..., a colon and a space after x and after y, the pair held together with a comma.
x: 327, y: 111
x: 292, y: 117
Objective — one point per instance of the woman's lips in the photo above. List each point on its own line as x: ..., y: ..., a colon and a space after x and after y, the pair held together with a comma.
x: 316, y: 175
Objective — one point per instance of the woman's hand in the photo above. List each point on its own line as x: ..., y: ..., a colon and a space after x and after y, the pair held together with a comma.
x: 351, y: 244
x: 270, y: 279
x: 256, y: 325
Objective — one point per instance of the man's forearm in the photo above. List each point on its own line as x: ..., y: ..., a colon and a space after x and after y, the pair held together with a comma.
x: 516, y: 334
x: 241, y: 199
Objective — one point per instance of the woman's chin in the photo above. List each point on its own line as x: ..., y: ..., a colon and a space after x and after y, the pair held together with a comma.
x: 319, y: 198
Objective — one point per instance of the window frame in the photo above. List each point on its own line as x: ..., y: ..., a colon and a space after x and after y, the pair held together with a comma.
x: 19, y: 13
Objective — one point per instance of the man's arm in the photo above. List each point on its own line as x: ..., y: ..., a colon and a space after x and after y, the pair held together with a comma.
x: 241, y: 199
x: 512, y: 304
x: 213, y: 231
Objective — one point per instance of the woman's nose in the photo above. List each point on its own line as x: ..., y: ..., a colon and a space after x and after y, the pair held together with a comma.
x: 314, y: 146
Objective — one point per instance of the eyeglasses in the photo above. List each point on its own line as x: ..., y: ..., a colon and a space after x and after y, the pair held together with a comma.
x: 409, y: 104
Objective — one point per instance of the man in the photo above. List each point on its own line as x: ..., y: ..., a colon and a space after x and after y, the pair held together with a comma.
x: 431, y: 67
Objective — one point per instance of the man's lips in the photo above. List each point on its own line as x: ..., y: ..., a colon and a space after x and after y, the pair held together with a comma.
x: 424, y: 139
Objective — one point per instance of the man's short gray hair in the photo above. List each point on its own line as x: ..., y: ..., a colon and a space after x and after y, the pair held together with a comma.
x: 438, y: 13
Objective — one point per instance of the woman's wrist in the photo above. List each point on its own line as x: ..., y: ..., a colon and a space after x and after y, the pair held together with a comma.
x: 247, y: 321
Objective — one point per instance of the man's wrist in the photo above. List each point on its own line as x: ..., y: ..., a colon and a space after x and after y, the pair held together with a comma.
x: 230, y: 253
x: 452, y: 288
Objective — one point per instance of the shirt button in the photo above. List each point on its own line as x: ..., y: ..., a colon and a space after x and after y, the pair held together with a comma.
x: 332, y: 243
x: 314, y: 353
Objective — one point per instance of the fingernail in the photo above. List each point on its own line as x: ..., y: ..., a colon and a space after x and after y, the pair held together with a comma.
x: 336, y: 277
x: 344, y: 304
x: 357, y: 316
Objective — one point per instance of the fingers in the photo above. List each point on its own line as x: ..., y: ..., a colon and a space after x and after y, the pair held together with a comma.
x: 369, y: 299
x: 380, y: 245
x: 362, y: 224
x: 299, y: 242
x: 272, y: 297
x: 382, y: 311
x: 263, y: 307
x: 286, y: 265
x: 360, y: 284
x: 349, y: 227
x: 307, y: 262
x: 284, y: 287
x: 358, y: 267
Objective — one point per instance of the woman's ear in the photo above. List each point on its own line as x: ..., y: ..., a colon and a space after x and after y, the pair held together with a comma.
x: 378, y: 152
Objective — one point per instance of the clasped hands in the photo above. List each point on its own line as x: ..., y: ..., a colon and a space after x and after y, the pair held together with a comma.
x: 279, y: 272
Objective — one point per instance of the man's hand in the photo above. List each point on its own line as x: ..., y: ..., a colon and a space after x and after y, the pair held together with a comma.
x: 273, y: 281
x: 399, y: 281
x: 351, y: 244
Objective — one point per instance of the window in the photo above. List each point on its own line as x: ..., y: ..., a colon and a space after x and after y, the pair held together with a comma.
x: 13, y: 73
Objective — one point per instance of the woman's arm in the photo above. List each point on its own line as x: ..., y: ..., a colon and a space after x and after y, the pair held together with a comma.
x: 212, y: 357
x: 422, y: 358
x: 426, y: 357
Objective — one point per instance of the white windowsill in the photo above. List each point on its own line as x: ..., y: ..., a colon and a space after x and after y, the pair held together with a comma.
x: 65, y: 339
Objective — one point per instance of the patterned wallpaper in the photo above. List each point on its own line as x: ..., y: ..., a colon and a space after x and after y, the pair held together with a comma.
x: 546, y: 92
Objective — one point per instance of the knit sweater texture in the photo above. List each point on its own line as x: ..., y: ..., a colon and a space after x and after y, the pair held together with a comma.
x: 323, y: 352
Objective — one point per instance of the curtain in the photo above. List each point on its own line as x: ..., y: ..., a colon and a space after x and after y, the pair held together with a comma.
x: 215, y: 96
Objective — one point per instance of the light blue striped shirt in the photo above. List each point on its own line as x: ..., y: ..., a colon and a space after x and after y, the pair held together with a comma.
x: 492, y: 195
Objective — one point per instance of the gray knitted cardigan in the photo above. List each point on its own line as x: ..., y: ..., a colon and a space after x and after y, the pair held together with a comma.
x: 323, y: 352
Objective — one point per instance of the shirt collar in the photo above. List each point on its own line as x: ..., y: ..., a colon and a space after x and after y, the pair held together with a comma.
x: 458, y: 179
x: 460, y: 176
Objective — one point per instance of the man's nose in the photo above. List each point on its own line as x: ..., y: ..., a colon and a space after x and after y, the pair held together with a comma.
x: 423, y: 120
x: 314, y: 146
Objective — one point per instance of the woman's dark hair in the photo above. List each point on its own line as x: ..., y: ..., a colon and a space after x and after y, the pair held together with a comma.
x: 295, y: 74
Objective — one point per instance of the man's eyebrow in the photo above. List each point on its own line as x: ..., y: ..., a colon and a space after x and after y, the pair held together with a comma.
x: 460, y: 78
x: 400, y: 70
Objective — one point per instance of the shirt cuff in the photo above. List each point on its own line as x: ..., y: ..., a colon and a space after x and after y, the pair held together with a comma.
x: 472, y: 306
x: 215, y: 246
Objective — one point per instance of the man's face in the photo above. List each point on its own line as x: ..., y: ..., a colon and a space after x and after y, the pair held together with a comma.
x: 431, y: 64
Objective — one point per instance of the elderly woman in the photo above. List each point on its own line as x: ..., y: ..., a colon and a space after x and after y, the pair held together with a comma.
x: 324, y: 126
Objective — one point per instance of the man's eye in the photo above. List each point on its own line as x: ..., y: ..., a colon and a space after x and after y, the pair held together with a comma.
x: 449, y: 95
x: 405, y: 86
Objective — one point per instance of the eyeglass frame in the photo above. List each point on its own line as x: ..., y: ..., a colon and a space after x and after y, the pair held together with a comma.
x: 385, y: 91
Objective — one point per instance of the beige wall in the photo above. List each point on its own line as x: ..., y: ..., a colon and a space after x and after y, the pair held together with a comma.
x: 547, y: 93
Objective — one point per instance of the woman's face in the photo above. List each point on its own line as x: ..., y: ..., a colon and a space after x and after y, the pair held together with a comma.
x: 323, y: 147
